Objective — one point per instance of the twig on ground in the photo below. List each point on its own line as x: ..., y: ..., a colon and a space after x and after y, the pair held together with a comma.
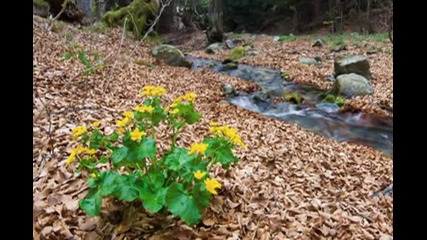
x: 107, y: 81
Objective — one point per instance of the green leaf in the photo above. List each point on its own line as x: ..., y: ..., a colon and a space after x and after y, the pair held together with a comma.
x: 201, y: 195
x: 225, y: 156
x: 153, y: 201
x: 221, y: 151
x: 178, y: 158
x: 158, y: 116
x: 113, y: 137
x: 66, y: 56
x: 96, y: 140
x: 193, y: 117
x: 119, y: 154
x: 103, y: 160
x: 91, y: 204
x: 92, y: 183
x: 108, y: 183
x: 147, y: 148
x: 188, y: 113
x: 180, y: 203
x: 125, y: 189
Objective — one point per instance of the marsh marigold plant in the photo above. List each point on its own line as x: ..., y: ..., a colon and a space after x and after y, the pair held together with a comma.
x: 178, y: 181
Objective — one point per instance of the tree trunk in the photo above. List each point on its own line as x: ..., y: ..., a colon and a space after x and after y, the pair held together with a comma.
x: 215, y: 31
x: 86, y: 7
x: 168, y: 22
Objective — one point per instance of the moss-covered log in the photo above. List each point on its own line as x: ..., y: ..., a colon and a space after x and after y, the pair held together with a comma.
x: 139, y: 14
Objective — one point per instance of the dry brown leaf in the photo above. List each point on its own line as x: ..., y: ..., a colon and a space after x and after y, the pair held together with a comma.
x: 288, y: 183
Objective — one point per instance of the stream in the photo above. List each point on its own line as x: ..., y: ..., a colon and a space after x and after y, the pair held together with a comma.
x: 321, y: 118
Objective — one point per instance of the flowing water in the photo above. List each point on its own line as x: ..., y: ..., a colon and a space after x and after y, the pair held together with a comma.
x: 322, y: 118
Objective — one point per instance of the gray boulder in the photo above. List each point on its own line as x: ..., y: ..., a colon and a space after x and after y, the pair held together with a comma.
x: 170, y: 55
x: 319, y: 43
x: 352, y: 85
x: 353, y: 64
x: 229, y: 90
x: 229, y: 43
x: 229, y: 66
x: 214, y: 47
x: 309, y: 61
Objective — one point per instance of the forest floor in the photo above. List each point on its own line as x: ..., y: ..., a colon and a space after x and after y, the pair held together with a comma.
x: 289, y: 184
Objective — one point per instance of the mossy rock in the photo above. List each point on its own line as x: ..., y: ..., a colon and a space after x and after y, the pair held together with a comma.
x: 352, y: 84
x: 236, y: 54
x: 41, y: 8
x: 229, y: 66
x: 294, y: 97
x: 139, y: 14
x: 170, y: 55
x: 339, y: 100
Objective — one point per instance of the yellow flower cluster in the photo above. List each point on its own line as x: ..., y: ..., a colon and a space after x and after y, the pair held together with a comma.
x: 189, y: 97
x: 199, y: 175
x: 144, y: 108
x: 124, y: 122
x: 136, y: 135
x: 153, y: 91
x: 128, y: 114
x: 77, y: 150
x: 198, y: 148
x: 211, y: 184
x: 78, y: 131
x: 96, y: 124
x: 227, y: 132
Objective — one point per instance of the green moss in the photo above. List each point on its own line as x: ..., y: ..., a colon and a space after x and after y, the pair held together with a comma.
x: 284, y: 75
x: 143, y: 63
x: 236, y: 54
x: 294, y: 97
x: 288, y: 38
x: 69, y: 36
x: 212, y: 64
x: 138, y: 15
x: 339, y: 100
x: 41, y: 4
x: 98, y: 27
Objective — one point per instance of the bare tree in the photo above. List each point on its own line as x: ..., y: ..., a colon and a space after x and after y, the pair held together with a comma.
x: 215, y: 31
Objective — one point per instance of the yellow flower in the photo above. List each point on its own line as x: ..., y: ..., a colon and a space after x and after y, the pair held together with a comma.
x: 199, y: 175
x: 227, y: 132
x: 74, y: 152
x: 214, y: 124
x: 121, y: 130
x: 94, y: 175
x: 198, y: 148
x: 189, y: 97
x: 96, y: 124
x: 78, y: 131
x: 128, y: 114
x: 122, y: 123
x: 72, y: 156
x: 175, y: 111
x: 144, y: 108
x: 90, y: 151
x: 174, y: 104
x: 211, y: 184
x: 152, y: 91
x: 136, y: 135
